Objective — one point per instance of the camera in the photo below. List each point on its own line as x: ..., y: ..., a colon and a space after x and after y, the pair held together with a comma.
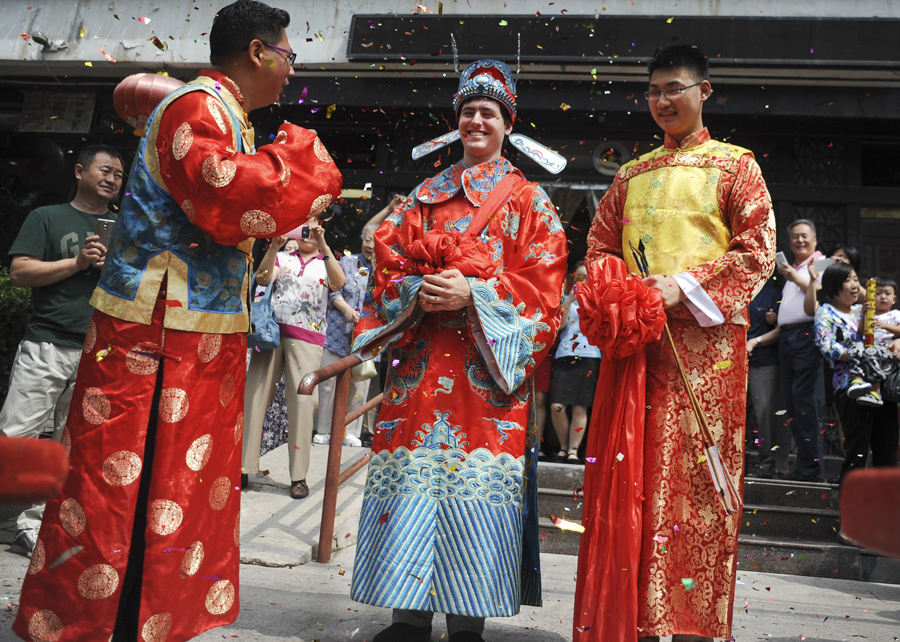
x: 304, y: 232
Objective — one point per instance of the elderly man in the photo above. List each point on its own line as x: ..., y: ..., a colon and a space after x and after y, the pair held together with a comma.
x: 142, y: 543
x: 798, y: 357
x: 466, y: 291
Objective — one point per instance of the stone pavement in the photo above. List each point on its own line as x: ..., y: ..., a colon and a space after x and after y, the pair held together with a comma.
x: 284, y: 596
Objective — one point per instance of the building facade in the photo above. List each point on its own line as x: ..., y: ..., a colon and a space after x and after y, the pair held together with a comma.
x: 812, y: 88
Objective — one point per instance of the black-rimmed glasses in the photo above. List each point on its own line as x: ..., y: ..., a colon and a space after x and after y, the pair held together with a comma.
x: 671, y: 94
x: 290, y: 54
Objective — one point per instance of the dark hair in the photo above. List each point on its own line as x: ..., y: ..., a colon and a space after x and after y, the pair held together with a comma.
x: 240, y: 23
x: 833, y: 280
x: 852, y: 253
x: 881, y: 282
x: 86, y: 156
x: 682, y: 56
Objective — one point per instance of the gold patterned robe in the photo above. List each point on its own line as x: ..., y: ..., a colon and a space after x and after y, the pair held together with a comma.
x: 704, y: 210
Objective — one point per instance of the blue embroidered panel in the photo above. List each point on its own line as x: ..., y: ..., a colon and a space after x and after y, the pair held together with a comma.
x: 440, y: 530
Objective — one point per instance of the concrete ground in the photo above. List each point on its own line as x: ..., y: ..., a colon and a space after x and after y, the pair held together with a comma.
x: 284, y: 596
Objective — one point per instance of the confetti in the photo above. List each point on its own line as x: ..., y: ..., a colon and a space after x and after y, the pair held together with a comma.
x: 162, y: 46
x: 303, y: 95
x: 384, y: 518
x: 566, y: 525
x: 330, y: 110
x: 620, y: 457
x: 144, y: 20
x: 688, y: 583
x: 722, y: 365
x: 341, y: 572
x: 565, y: 107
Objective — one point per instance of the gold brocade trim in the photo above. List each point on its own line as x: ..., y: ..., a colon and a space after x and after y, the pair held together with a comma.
x: 177, y: 315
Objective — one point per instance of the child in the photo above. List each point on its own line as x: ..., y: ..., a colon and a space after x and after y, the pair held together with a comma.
x: 870, y: 366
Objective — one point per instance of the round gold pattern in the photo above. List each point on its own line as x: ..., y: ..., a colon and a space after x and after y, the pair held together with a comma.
x: 217, y: 111
x: 90, y: 338
x: 188, y: 208
x: 218, y: 172
x: 140, y: 362
x: 220, y: 597
x: 193, y: 558
x: 121, y: 468
x: 319, y: 205
x: 45, y: 626
x: 38, y: 557
x: 156, y: 628
x: 218, y: 494
x: 208, y: 347
x: 237, y: 530
x: 226, y: 392
x: 66, y: 440
x: 71, y: 516
x: 321, y: 153
x: 182, y: 141
x: 257, y: 223
x: 239, y: 428
x: 198, y: 453
x: 98, y: 582
x: 95, y: 406
x: 164, y: 516
x: 173, y: 405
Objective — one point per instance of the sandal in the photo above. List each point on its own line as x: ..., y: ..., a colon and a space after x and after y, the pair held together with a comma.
x: 573, y: 458
x: 560, y: 457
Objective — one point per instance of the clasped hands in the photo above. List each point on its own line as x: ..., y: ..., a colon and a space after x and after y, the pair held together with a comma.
x: 446, y: 291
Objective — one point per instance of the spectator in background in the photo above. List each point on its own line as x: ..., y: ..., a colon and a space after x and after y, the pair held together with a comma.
x: 302, y: 280
x: 58, y: 256
x: 772, y: 438
x: 837, y: 332
x: 799, y: 361
x: 343, y: 312
x: 542, y: 379
x: 574, y: 379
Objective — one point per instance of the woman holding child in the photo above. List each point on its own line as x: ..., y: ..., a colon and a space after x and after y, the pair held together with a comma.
x: 868, y: 420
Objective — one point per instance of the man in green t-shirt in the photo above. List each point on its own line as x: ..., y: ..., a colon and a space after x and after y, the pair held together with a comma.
x: 59, y: 257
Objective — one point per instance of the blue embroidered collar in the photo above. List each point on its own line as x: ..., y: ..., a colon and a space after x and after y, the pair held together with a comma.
x: 477, y: 182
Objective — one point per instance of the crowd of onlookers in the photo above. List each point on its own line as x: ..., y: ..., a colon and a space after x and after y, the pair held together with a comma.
x: 816, y: 385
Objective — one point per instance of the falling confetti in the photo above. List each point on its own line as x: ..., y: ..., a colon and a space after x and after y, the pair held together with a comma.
x: 566, y: 525
x: 688, y: 583
x: 144, y: 20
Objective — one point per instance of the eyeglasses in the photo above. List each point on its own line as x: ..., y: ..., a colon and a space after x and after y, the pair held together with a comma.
x: 290, y: 54
x: 671, y: 94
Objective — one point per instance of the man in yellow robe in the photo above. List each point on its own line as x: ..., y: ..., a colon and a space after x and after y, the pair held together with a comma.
x: 704, y: 215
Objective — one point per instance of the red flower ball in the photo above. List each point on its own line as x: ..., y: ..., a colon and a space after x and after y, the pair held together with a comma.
x: 438, y: 251
x: 616, y: 311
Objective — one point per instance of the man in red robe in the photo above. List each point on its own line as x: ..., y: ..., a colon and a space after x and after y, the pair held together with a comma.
x: 658, y: 555
x: 142, y: 543
x: 466, y: 293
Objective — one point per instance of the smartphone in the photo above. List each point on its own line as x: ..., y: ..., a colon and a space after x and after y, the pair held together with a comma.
x: 301, y: 232
x: 822, y: 264
x: 104, y: 229
x: 780, y: 259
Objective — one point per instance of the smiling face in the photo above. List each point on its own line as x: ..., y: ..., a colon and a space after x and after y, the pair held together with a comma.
x: 803, y: 242
x: 482, y: 128
x: 368, y: 244
x: 849, y: 293
x: 681, y: 116
x: 102, y: 180
x: 275, y: 70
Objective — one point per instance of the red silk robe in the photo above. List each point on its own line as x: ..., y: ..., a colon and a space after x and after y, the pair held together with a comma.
x: 190, y: 571
x: 441, y: 527
x: 684, y: 533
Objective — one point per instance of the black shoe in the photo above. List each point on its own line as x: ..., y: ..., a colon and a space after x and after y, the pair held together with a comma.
x: 299, y: 489
x: 802, y: 477
x: 25, y: 541
x: 762, y: 473
x: 559, y: 458
x: 466, y: 636
x: 245, y: 481
x: 403, y: 632
x: 834, y: 481
x: 366, y: 441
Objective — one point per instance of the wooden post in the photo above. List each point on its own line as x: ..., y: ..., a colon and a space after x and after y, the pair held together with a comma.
x: 333, y: 474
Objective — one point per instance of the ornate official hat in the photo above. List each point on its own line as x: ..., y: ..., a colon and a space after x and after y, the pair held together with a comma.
x: 487, y: 79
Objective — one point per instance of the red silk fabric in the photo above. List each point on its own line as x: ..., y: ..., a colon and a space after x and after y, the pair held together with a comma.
x: 440, y: 250
x: 619, y: 314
